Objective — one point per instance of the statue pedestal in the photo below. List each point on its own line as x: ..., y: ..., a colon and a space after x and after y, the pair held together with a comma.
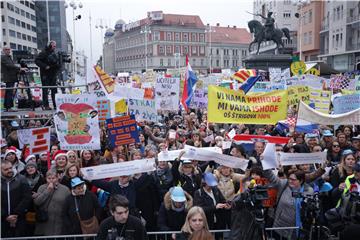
x: 264, y: 61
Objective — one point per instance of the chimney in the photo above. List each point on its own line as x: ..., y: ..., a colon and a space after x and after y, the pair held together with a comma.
x: 234, y: 26
x: 218, y: 24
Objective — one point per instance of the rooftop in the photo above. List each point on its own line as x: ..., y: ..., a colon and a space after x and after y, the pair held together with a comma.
x: 229, y: 34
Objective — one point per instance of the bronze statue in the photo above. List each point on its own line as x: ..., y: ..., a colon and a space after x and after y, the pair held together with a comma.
x: 267, y: 32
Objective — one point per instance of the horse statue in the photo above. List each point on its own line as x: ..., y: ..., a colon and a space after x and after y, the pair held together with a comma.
x: 263, y: 33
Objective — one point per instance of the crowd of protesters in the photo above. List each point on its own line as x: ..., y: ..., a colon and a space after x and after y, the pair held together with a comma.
x: 180, y: 195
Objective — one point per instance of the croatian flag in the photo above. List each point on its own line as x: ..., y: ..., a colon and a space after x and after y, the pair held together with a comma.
x: 189, y: 85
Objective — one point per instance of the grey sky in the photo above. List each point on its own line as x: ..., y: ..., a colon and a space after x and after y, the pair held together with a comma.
x: 225, y: 12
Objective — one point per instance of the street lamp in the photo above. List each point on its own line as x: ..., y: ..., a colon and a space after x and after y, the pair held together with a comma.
x: 300, y: 4
x: 210, y: 30
x: 101, y: 24
x: 146, y: 31
x: 74, y: 5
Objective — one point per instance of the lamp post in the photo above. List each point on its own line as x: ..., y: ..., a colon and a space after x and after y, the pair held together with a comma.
x: 101, y: 24
x: 300, y: 4
x: 146, y: 31
x: 74, y: 5
x: 210, y: 30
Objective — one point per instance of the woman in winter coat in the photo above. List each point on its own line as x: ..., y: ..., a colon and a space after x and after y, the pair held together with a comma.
x: 288, y: 212
x: 71, y: 171
x: 173, y: 210
x: 81, y: 203
x: 186, y: 176
x: 334, y: 153
x: 163, y: 178
x: 51, y: 198
x: 195, y: 221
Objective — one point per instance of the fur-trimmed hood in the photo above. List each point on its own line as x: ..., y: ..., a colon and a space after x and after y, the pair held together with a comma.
x: 167, y: 201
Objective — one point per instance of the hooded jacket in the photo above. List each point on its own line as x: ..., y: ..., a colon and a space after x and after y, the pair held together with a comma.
x: 169, y: 219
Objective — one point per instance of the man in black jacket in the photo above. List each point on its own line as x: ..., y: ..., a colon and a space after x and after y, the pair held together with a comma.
x: 9, y: 73
x: 49, y: 65
x: 15, y: 200
x: 121, y: 225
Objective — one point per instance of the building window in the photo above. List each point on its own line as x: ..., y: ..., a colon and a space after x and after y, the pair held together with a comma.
x: 217, y: 51
x: 169, y: 62
x: 310, y: 37
x: 17, y: 10
x: 32, y: 6
x: 23, y: 25
x: 185, y: 37
x: 22, y: 13
x: 27, y: 3
x: 28, y: 26
x: 161, y: 49
x: 168, y: 49
x: 202, y: 50
x: 168, y: 36
x: 217, y: 62
x: 33, y: 28
x: 4, y: 32
x: 177, y: 49
x: 156, y: 36
x: 2, y: 18
x: 201, y: 37
x: 34, y: 39
x: 33, y: 17
x: 23, y: 36
x: 18, y: 23
x: 193, y: 50
x: 29, y: 38
x: 193, y: 37
x: 19, y: 47
x: 12, y: 45
x: 194, y: 62
x: 18, y: 35
x: 186, y: 49
x: 28, y: 15
x: 161, y: 62
x: 202, y: 62
x: 11, y: 20
x: 12, y: 33
x: 177, y: 37
x: 310, y: 16
x: 287, y: 15
x: 10, y: 7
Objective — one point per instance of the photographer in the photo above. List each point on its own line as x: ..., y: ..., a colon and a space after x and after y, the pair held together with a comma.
x: 9, y: 73
x: 49, y: 64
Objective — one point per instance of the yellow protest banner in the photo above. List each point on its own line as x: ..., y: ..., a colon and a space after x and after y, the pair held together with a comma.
x: 120, y: 107
x: 297, y: 94
x: 229, y: 106
x: 320, y: 100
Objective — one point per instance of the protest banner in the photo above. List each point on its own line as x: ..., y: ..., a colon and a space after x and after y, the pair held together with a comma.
x: 167, y: 93
x: 277, y: 78
x: 129, y: 92
x: 173, y: 154
x: 123, y: 79
x: 288, y: 159
x: 149, y: 76
x: 270, y: 160
x: 118, y: 169
x: 143, y: 110
x: 103, y: 107
x: 297, y: 94
x: 308, y: 114
x: 199, y: 99
x: 77, y: 122
x: 38, y: 139
x: 320, y: 100
x: 347, y: 103
x: 122, y: 130
x: 254, y: 138
x: 261, y: 87
x: 228, y: 106
x: 106, y: 82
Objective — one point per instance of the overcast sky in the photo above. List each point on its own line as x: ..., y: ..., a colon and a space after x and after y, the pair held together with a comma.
x: 225, y: 12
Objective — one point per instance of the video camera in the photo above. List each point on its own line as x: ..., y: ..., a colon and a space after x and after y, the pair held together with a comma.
x: 59, y: 58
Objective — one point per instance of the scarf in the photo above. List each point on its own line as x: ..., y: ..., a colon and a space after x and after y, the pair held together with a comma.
x: 298, y: 211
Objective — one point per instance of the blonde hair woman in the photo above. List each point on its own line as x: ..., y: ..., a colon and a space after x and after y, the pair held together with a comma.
x: 195, y: 221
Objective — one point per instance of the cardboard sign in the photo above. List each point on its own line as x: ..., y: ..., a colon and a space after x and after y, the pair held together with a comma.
x: 143, y: 110
x: 347, y: 103
x: 320, y: 100
x: 122, y: 130
x: 199, y: 99
x: 167, y: 93
x: 103, y: 106
x: 288, y: 159
x: 106, y: 82
x: 125, y: 92
x: 297, y: 94
x: 118, y: 169
x: 228, y: 106
x: 77, y: 122
x: 38, y: 139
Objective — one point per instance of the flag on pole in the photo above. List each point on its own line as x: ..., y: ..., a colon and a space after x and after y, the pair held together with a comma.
x: 189, y: 85
x: 249, y: 83
x: 243, y: 74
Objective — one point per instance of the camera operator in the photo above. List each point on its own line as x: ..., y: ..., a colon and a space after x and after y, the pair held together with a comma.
x: 350, y: 205
x: 9, y: 73
x: 49, y: 64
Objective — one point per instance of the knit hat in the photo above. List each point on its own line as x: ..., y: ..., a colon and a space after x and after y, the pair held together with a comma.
x: 31, y: 164
x: 27, y: 159
x: 11, y: 149
x: 59, y: 153
x: 70, y: 152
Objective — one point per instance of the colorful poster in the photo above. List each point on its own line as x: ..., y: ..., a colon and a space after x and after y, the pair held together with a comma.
x: 106, y: 82
x: 347, y: 103
x: 228, y: 106
x: 38, y: 139
x: 103, y: 106
x: 120, y: 107
x: 297, y: 94
x: 77, y: 122
x: 320, y: 100
x: 144, y: 110
x: 167, y: 93
x: 199, y: 99
x: 122, y: 130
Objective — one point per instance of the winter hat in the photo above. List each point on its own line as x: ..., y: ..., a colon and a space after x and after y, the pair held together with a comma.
x: 70, y: 152
x: 11, y: 149
x: 31, y: 164
x: 59, y: 153
x: 27, y: 159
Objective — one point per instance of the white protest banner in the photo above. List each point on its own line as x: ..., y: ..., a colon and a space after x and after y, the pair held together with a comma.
x: 167, y: 93
x: 203, y: 154
x: 38, y: 139
x: 118, y: 169
x: 77, y: 122
x: 226, y: 144
x: 173, y: 154
x: 347, y: 103
x: 270, y: 160
x: 143, y: 110
x: 308, y: 114
x: 232, y: 133
x: 287, y: 159
x: 126, y: 92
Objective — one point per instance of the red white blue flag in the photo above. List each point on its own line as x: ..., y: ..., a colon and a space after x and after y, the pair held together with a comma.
x: 189, y: 85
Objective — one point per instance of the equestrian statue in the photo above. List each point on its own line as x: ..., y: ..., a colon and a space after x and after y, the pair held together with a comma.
x: 267, y: 32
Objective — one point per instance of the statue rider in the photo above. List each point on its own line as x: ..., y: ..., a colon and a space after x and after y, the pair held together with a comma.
x: 269, y: 25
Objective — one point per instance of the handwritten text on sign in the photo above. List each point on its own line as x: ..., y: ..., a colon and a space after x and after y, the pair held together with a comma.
x: 122, y: 130
x: 228, y: 106
x: 38, y: 139
x: 143, y: 109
